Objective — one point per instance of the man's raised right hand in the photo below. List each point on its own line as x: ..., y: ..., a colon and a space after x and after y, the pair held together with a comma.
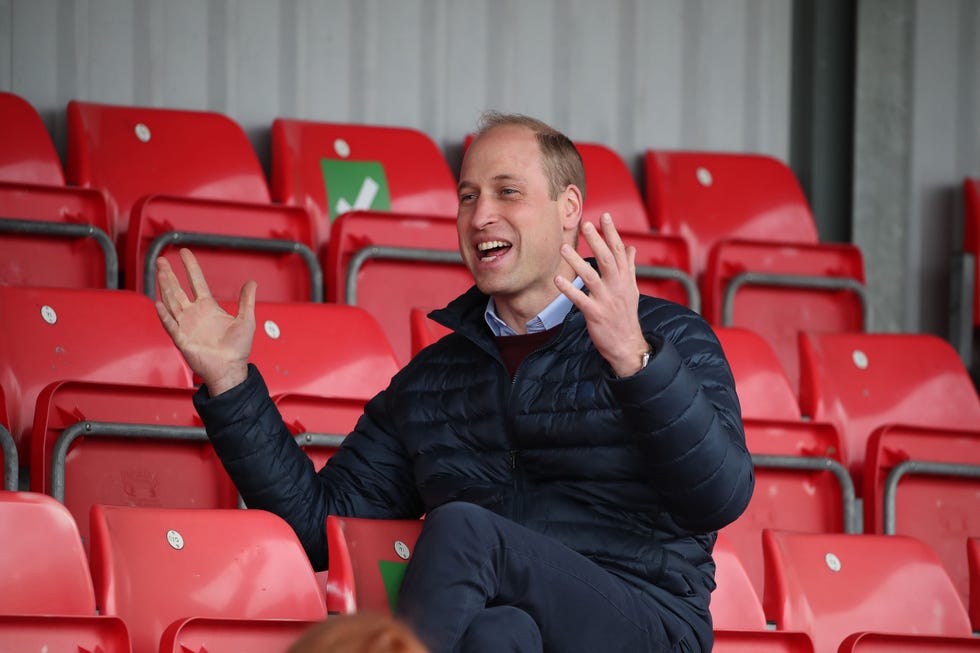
x: 215, y: 344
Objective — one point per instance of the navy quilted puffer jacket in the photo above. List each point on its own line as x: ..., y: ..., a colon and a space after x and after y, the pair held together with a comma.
x: 636, y: 473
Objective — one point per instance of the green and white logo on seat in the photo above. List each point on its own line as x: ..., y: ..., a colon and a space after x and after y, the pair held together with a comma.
x: 392, y: 575
x: 355, y: 185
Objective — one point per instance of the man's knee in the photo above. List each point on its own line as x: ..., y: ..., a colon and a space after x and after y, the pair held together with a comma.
x: 500, y: 629
x: 458, y: 520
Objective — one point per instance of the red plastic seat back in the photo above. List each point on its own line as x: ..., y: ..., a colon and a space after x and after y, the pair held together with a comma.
x: 64, y: 634
x: 43, y: 567
x: 389, y: 288
x: 125, y: 469
x: 941, y: 509
x: 734, y: 602
x: 971, y: 236
x: 764, y: 390
x: 755, y: 641
x: 133, y: 152
x: 153, y: 567
x: 328, y: 350
x: 780, y: 312
x: 832, y: 585
x: 62, y: 261
x: 424, y: 331
x: 610, y: 187
x: 282, y: 274
x: 27, y: 155
x: 55, y: 334
x: 788, y: 496
x: 707, y: 197
x: 233, y: 635
x: 368, y: 558
x: 328, y: 168
x: 860, y: 381
x: 320, y: 423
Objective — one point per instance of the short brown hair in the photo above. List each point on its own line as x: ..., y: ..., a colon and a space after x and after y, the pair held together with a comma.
x: 562, y: 162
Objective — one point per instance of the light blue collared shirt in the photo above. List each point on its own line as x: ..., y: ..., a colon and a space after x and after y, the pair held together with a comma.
x: 552, y: 315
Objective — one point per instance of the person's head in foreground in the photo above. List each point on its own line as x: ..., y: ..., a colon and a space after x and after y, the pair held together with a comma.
x: 358, y: 633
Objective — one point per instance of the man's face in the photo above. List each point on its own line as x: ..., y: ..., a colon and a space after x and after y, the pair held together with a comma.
x: 510, y: 230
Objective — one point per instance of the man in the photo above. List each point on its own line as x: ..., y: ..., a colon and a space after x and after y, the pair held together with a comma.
x: 573, y: 445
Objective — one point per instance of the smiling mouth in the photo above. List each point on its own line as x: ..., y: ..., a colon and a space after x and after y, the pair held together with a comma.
x: 491, y: 249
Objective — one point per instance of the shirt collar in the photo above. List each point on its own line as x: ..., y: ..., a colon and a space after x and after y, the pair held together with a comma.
x: 552, y: 315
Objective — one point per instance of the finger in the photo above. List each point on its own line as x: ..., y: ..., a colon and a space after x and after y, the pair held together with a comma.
x: 579, y: 265
x: 613, y: 239
x: 600, y: 250
x: 567, y: 288
x: 171, y: 293
x: 199, y: 286
x: 169, y: 323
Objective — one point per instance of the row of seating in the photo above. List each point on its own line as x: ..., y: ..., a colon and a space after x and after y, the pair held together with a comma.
x: 162, y: 579
x: 359, y: 208
x: 98, y: 404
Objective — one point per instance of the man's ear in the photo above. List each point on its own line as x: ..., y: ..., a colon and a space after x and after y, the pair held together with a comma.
x: 570, y: 203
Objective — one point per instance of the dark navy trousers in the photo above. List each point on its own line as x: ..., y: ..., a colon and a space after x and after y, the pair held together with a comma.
x: 478, y: 582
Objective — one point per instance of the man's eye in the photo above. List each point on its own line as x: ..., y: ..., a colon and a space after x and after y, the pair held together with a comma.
x: 508, y: 191
x: 467, y: 197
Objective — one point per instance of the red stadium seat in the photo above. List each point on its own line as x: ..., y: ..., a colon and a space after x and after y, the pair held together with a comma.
x: 169, y: 191
x: 834, y: 585
x: 43, y: 566
x: 368, y: 558
x: 64, y: 634
x: 711, y: 199
x: 328, y: 350
x: 55, y: 334
x: 318, y: 423
x: 801, y: 483
x: 925, y: 483
x: 663, y: 261
x: 424, y: 331
x: 750, y: 641
x: 390, y: 263
x: 764, y: 390
x: 27, y: 155
x: 860, y: 382
x: 735, y: 603
x: 610, y: 188
x: 201, y: 635
x: 778, y: 291
x: 707, y: 197
x: 48, y: 599
x: 331, y: 168
x: 50, y: 234
x: 124, y: 445
x: 157, y: 568
x: 884, y: 643
x: 736, y: 611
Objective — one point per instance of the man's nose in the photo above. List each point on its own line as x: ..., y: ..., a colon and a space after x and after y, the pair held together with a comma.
x: 484, y: 212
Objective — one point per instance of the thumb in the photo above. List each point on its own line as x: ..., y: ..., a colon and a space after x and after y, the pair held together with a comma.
x: 246, y: 301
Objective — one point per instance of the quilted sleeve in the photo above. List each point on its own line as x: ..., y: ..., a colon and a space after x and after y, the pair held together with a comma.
x: 684, y: 410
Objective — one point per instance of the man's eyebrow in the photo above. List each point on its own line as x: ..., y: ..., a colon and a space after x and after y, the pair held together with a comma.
x: 501, y: 177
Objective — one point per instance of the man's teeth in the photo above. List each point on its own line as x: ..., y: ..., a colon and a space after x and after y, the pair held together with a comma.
x: 492, y: 244
x: 489, y: 246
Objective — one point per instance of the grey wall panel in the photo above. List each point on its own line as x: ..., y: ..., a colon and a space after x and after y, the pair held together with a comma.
x: 629, y: 73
